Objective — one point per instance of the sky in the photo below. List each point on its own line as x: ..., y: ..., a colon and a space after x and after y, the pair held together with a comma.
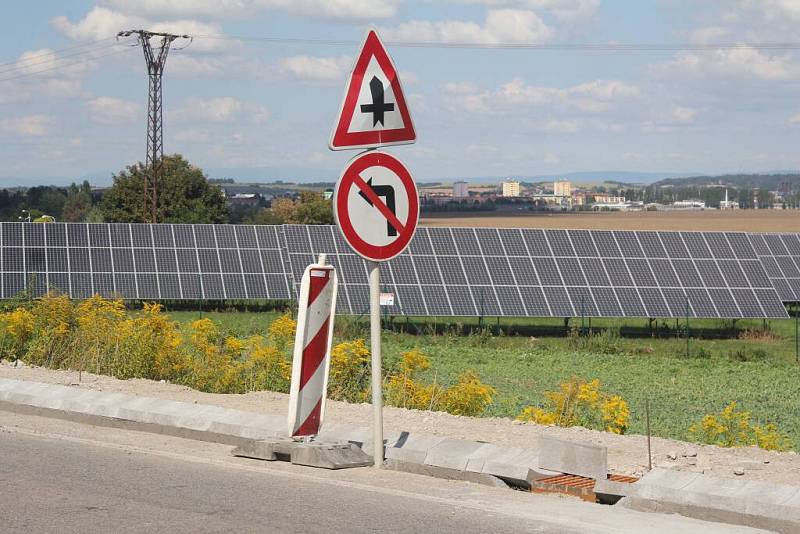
x: 240, y: 104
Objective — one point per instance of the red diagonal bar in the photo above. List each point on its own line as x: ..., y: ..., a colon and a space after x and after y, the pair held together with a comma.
x: 378, y: 203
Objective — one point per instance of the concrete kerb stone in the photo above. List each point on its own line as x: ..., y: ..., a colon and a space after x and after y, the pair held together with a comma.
x: 444, y: 473
x: 735, y: 501
x: 513, y: 464
x: 575, y: 458
x: 412, y: 447
x: 451, y: 453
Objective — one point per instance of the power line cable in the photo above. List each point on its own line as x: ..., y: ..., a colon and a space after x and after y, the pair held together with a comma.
x: 66, y: 65
x: 59, y: 51
x: 610, y: 47
x: 24, y: 65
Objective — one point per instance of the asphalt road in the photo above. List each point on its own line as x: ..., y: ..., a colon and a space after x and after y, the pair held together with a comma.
x: 51, y: 485
x: 60, y: 476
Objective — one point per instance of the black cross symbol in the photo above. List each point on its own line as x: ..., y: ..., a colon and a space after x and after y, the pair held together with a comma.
x: 378, y: 106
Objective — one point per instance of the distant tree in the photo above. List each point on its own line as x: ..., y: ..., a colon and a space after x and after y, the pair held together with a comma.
x: 78, y: 203
x: 310, y: 208
x: 184, y: 196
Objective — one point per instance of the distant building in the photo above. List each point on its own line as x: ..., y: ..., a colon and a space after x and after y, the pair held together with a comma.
x: 460, y: 190
x: 510, y: 188
x: 242, y: 200
x: 689, y: 205
x: 562, y: 188
x: 605, y: 198
x: 728, y: 204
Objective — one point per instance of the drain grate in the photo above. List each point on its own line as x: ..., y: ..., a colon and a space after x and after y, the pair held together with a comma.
x: 577, y: 486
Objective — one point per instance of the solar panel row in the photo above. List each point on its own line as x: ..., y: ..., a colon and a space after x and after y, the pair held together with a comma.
x: 139, y: 261
x: 780, y: 257
x: 559, y: 273
x: 445, y: 271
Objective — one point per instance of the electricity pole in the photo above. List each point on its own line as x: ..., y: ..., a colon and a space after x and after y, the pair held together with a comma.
x: 156, y: 58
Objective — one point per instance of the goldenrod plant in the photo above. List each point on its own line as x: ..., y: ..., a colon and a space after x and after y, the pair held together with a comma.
x: 468, y: 396
x: 99, y: 335
x: 733, y: 427
x: 580, y: 403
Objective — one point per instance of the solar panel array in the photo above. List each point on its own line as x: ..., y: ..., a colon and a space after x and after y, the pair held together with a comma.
x: 141, y: 261
x: 444, y: 272
x: 553, y: 273
x: 780, y: 256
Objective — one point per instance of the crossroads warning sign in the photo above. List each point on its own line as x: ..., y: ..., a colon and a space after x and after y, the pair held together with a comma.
x: 374, y: 111
x: 376, y: 205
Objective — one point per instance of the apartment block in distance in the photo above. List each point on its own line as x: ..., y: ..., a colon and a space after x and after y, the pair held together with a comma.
x: 510, y: 188
x: 460, y: 190
x: 562, y: 188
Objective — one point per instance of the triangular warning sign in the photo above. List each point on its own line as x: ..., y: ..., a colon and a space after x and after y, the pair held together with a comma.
x: 374, y: 112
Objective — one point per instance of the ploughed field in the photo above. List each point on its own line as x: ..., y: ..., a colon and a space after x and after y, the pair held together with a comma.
x: 524, y: 358
x: 687, y: 220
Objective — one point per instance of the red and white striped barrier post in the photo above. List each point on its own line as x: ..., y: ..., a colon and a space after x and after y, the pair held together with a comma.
x: 312, y: 349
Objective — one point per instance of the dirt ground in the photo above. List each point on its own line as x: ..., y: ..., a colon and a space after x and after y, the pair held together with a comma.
x: 706, y: 220
x: 626, y: 454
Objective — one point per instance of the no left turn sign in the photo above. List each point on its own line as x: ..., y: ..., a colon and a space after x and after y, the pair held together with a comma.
x: 376, y: 205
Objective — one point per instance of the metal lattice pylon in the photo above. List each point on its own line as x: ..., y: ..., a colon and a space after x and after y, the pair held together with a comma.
x: 156, y: 59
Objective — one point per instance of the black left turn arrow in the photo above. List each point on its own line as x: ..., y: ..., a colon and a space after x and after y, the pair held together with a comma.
x: 387, y: 192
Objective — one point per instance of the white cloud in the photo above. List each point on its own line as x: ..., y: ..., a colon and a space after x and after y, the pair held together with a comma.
x: 317, y: 69
x: 224, y: 109
x: 45, y: 63
x: 794, y: 119
x: 28, y: 126
x: 216, y: 9
x: 551, y: 159
x: 62, y: 88
x: 561, y: 126
x: 774, y: 9
x: 565, y: 10
x: 707, y: 34
x: 743, y: 62
x: 500, y: 26
x: 99, y: 23
x: 683, y: 115
x: 335, y: 9
x: 181, y: 8
x: 595, y: 96
x: 102, y: 23
x: 109, y: 110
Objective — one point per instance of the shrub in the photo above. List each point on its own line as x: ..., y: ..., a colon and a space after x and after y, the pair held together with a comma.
x: 581, y: 403
x: 18, y: 329
x: 468, y: 396
x: 403, y: 389
x: 604, y: 342
x: 733, y: 427
x: 349, y: 372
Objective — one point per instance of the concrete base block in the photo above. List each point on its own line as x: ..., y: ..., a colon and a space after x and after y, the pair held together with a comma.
x: 445, y: 473
x: 258, y: 450
x: 574, y: 458
x: 324, y: 455
x: 330, y: 456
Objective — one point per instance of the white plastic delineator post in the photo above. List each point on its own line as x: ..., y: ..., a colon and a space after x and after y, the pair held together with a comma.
x: 312, y: 349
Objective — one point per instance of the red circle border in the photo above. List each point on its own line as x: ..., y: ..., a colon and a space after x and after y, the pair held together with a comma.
x: 363, y: 161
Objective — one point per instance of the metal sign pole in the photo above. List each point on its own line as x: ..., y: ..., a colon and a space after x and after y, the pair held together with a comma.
x: 377, y: 379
